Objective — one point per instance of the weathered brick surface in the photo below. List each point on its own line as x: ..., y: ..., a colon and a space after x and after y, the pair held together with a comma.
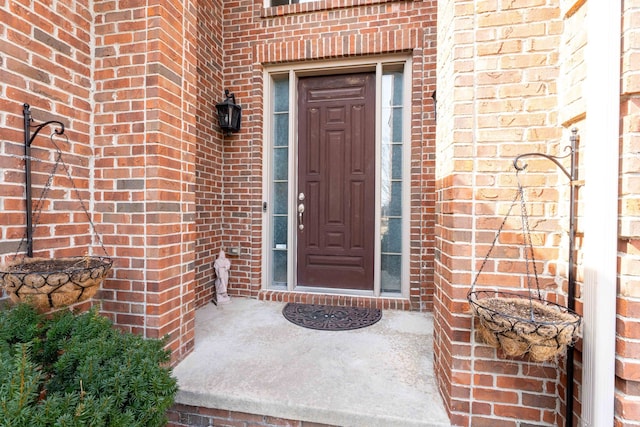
x: 145, y: 136
x: 507, y: 94
x: 340, y: 300
x: 121, y: 77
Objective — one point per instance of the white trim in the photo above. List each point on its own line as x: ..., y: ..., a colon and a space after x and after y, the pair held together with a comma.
x: 377, y: 243
x: 601, y: 210
x: 323, y: 67
x: 292, y: 237
x: 267, y: 103
x: 407, y: 145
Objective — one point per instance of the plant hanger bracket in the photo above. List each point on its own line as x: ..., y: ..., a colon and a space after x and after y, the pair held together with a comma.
x: 572, y: 175
x: 28, y: 139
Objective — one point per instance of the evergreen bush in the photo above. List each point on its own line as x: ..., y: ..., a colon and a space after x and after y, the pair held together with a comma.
x: 73, y: 370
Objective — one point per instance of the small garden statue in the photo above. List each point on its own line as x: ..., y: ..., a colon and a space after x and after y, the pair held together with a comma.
x: 222, y: 266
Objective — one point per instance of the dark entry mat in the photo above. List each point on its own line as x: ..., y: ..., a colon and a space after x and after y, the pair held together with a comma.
x: 329, y: 317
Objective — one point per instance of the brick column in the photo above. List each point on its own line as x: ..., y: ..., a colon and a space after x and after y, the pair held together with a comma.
x: 497, y: 98
x: 453, y: 206
x: 145, y: 134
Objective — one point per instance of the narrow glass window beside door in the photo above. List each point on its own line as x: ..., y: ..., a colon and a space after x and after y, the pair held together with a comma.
x: 391, y: 181
x: 280, y: 182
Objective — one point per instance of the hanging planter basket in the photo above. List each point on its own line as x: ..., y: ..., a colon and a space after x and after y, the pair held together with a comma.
x: 521, y: 325
x: 53, y: 283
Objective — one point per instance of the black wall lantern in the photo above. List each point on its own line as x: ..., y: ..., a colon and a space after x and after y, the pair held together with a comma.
x: 229, y: 113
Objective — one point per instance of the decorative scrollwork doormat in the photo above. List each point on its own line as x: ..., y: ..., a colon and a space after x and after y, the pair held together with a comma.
x: 329, y: 317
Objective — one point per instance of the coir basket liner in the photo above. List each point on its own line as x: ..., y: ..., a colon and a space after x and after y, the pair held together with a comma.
x: 520, y: 325
x: 49, y: 283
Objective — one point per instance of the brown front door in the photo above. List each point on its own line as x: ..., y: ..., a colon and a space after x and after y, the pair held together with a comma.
x: 336, y: 181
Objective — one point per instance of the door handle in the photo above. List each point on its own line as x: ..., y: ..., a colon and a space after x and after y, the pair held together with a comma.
x: 301, y: 211
x: 301, y: 216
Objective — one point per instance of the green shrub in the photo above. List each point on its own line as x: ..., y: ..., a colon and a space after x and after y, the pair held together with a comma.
x: 77, y: 370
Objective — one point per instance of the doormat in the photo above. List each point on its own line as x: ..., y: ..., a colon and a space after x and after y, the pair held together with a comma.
x: 329, y: 317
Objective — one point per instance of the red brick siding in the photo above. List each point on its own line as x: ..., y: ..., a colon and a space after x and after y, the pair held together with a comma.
x: 209, y: 145
x: 145, y: 120
x: 500, y: 99
x: 340, y: 300
x: 45, y: 61
x: 188, y: 416
x: 136, y: 82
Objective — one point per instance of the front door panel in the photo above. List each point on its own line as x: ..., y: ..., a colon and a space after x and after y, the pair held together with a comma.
x: 336, y: 181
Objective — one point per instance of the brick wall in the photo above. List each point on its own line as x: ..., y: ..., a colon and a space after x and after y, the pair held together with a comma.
x: 210, y: 148
x: 498, y: 72
x: 255, y: 37
x: 121, y: 76
x: 188, y: 416
x: 135, y: 84
x: 627, y: 402
x: 45, y: 61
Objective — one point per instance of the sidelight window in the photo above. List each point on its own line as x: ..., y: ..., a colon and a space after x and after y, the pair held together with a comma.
x: 391, y: 174
x: 280, y: 181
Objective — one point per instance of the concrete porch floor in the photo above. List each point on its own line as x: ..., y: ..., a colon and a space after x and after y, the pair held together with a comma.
x: 249, y: 358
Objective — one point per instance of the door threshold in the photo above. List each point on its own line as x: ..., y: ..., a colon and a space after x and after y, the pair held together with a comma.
x: 333, y: 291
x: 332, y: 298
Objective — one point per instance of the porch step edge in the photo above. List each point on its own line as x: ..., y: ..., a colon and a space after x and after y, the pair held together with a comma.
x: 297, y: 411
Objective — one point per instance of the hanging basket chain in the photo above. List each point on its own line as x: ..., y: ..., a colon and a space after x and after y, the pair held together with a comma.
x: 40, y: 203
x: 493, y: 244
x: 79, y: 197
x: 530, y: 263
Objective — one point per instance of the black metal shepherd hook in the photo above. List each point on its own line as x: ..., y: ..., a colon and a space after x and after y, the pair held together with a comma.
x: 28, y: 139
x: 571, y: 286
